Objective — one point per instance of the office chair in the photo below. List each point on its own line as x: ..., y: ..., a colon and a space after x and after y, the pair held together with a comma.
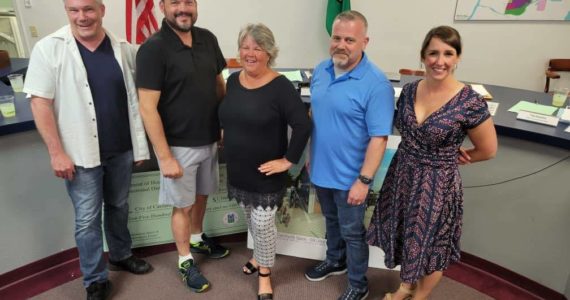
x: 233, y: 63
x: 4, y: 59
x: 555, y: 65
x: 412, y: 72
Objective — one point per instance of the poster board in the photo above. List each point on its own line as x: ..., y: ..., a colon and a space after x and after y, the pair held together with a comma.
x: 149, y: 223
x: 301, y: 226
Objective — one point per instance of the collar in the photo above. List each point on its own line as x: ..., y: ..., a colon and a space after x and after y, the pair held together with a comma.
x: 64, y: 33
x: 356, y: 73
x: 173, y: 38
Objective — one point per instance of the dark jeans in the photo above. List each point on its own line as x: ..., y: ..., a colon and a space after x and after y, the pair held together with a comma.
x: 91, y: 189
x: 345, y: 234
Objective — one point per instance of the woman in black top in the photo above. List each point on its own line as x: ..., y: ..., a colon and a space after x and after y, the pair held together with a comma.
x: 259, y: 106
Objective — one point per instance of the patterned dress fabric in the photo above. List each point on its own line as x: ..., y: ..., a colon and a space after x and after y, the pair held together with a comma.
x: 418, y: 217
x: 261, y: 225
x: 259, y: 210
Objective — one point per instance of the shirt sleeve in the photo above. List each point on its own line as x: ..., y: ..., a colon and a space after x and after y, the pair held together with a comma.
x: 476, y: 110
x: 40, y: 76
x: 380, y: 110
x: 220, y: 59
x: 297, y: 117
x: 150, y: 67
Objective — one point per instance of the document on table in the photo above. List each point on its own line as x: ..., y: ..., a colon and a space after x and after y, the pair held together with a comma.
x: 481, y: 90
x: 225, y: 74
x: 493, y: 107
x: 567, y: 129
x: 564, y: 115
x: 397, y: 92
x: 292, y: 75
x: 533, y: 107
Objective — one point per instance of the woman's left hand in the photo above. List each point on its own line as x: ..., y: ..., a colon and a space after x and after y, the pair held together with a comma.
x: 463, y: 158
x: 275, y: 166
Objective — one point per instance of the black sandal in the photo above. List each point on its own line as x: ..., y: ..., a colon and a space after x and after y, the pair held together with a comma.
x: 264, y: 296
x: 250, y: 268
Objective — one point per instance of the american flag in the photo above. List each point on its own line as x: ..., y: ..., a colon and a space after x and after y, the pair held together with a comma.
x: 145, y: 24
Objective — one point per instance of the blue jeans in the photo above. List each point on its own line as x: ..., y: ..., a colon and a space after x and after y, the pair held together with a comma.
x: 104, y: 186
x: 346, y: 242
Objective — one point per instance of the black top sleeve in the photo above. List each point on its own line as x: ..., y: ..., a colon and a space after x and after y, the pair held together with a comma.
x: 151, y: 68
x: 221, y: 61
x: 297, y: 117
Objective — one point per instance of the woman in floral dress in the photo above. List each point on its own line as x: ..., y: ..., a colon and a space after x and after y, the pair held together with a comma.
x: 417, y: 220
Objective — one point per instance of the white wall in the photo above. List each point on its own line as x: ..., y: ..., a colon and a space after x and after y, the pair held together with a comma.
x: 513, y: 54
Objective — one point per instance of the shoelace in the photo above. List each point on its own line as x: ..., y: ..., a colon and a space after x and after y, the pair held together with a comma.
x: 210, y: 243
x: 186, y: 265
x: 350, y: 294
x: 192, y: 273
x: 323, y: 265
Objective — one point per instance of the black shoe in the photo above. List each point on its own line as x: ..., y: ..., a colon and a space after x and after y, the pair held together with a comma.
x: 352, y: 294
x: 131, y: 264
x: 99, y: 290
x: 209, y: 247
x: 249, y: 268
x: 192, y: 277
x: 323, y: 270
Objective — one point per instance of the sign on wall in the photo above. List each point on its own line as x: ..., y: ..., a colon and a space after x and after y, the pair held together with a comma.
x: 512, y: 10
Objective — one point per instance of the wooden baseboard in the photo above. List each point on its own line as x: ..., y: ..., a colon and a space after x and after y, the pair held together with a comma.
x: 498, y: 280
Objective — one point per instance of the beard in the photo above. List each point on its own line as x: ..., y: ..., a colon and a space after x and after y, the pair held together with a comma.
x: 181, y: 27
x: 340, y: 61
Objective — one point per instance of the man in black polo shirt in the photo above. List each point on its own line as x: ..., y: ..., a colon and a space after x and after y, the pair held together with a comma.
x: 180, y: 86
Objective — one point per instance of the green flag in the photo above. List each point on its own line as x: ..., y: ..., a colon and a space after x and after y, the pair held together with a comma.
x: 334, y: 7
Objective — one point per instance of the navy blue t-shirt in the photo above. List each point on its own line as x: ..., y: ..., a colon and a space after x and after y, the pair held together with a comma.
x: 109, y: 97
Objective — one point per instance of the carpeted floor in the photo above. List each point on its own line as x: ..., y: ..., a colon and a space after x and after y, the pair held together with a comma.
x: 228, y: 282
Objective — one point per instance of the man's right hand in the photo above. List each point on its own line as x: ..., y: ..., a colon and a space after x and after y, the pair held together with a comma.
x: 62, y: 166
x: 170, y: 168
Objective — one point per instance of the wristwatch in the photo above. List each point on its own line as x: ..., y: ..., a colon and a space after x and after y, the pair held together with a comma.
x: 364, y: 179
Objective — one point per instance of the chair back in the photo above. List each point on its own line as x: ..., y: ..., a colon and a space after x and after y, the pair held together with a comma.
x: 233, y: 63
x: 559, y: 64
x: 555, y: 65
x: 412, y: 72
x: 4, y: 59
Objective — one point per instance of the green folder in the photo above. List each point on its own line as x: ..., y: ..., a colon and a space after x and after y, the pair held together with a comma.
x: 292, y: 75
x: 533, y: 107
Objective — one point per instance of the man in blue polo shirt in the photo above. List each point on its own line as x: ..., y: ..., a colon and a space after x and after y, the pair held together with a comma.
x: 352, y: 104
x: 85, y: 107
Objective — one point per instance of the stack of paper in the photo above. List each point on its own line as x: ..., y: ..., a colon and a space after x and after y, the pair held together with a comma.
x: 564, y: 115
x: 533, y: 107
x: 493, y: 107
x: 481, y: 90
x: 397, y: 92
x: 292, y: 75
x: 225, y: 74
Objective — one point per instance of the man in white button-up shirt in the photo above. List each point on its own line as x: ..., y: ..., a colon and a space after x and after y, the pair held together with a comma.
x: 85, y: 106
